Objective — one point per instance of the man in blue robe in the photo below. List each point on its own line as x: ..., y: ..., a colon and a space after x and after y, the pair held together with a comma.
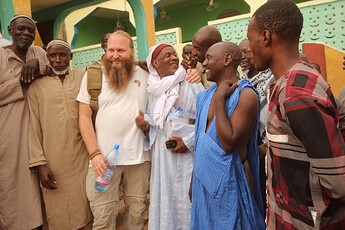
x: 226, y: 143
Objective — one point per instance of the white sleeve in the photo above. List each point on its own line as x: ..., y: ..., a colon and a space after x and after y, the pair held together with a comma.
x: 189, y: 141
x: 152, y: 135
x: 83, y: 95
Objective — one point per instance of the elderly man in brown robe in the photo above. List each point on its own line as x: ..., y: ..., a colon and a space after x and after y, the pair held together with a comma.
x: 56, y: 147
x: 20, y: 206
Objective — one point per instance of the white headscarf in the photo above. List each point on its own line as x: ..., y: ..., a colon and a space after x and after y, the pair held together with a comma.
x: 164, y: 91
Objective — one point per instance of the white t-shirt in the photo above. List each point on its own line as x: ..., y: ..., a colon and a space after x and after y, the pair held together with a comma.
x: 115, y: 121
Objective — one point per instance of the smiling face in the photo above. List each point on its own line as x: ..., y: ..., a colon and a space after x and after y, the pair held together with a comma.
x: 214, y: 62
x: 119, y: 50
x: 23, y: 32
x: 246, y: 63
x: 166, y: 62
x: 119, y: 60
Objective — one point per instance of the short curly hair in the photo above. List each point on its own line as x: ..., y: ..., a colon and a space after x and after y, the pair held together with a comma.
x: 281, y: 17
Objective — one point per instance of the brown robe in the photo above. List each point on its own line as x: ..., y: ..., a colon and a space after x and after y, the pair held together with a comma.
x: 55, y: 140
x: 20, y: 205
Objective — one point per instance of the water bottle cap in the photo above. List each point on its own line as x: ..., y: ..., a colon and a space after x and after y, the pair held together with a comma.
x: 116, y: 146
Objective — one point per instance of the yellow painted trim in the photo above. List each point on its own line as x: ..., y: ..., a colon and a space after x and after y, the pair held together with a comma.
x: 22, y: 7
x: 150, y: 23
x: 334, y: 69
x: 38, y: 40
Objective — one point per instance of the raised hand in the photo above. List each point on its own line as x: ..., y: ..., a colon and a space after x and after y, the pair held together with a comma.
x: 226, y: 88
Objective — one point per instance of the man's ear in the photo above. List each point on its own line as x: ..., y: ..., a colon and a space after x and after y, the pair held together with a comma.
x: 9, y: 30
x: 228, y: 59
x: 70, y: 56
x: 267, y: 37
x: 155, y: 63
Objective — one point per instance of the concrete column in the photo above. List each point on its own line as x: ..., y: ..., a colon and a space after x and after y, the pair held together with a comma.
x: 6, y: 13
x: 150, y: 23
x: 145, y: 28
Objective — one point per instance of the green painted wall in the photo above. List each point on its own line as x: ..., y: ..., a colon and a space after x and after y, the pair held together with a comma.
x: 91, y: 29
x: 139, y: 14
x: 190, y: 16
x: 6, y: 13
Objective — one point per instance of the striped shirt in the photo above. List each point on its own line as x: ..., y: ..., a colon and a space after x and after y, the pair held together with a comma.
x: 305, y: 159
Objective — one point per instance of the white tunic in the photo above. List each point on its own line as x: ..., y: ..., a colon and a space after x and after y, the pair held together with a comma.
x: 171, y: 172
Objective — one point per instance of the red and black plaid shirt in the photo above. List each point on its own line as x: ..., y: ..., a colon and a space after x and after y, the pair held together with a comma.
x: 306, y: 156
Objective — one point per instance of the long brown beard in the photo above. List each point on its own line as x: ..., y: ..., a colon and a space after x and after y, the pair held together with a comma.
x: 119, y: 76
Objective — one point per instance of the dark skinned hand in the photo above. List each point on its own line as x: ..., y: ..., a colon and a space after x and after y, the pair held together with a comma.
x: 225, y: 89
x: 141, y: 123
x: 30, y: 71
x: 142, y: 64
x: 185, y: 64
x: 180, y: 147
x: 46, y: 177
x: 189, y: 64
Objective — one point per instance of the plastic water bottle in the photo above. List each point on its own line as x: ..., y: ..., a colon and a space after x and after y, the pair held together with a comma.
x: 102, y: 183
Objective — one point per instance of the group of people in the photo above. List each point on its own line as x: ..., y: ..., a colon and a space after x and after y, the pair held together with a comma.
x: 191, y: 133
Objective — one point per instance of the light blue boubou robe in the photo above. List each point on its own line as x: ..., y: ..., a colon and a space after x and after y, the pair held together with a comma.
x: 221, y: 195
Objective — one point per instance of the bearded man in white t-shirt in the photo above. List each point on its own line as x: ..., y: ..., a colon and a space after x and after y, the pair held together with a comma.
x: 122, y: 96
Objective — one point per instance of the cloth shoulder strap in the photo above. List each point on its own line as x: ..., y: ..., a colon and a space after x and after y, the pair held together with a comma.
x: 94, y: 86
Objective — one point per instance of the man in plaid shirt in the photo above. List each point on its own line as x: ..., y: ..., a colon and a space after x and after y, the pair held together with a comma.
x: 305, y: 159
